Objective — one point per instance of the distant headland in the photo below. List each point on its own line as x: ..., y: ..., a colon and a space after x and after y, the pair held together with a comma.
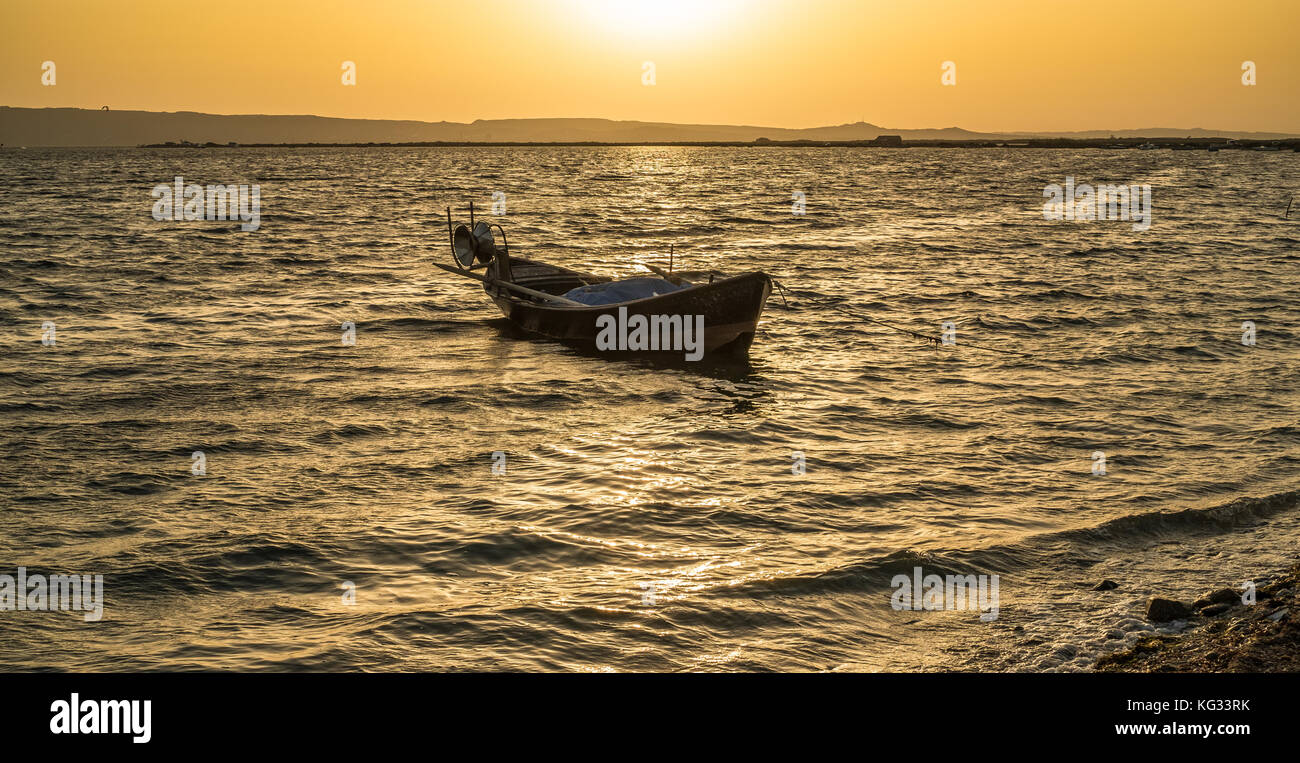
x: 1175, y: 144
x: 100, y: 127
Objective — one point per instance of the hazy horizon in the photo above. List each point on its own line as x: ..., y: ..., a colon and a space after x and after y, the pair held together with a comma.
x: 589, y: 117
x: 55, y: 127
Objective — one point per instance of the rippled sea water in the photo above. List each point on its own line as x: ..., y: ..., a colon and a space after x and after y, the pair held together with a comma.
x: 648, y: 518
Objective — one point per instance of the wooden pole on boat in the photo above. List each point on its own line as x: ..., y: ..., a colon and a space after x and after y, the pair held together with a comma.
x: 511, y: 286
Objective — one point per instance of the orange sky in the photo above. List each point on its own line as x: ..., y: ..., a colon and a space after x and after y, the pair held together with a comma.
x: 1020, y: 64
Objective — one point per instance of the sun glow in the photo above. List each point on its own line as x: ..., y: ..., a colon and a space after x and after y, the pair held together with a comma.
x: 660, y: 18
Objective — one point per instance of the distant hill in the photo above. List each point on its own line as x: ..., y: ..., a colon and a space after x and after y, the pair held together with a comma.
x: 86, y: 127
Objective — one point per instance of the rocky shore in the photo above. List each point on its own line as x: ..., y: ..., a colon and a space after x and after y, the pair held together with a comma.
x: 1232, y: 630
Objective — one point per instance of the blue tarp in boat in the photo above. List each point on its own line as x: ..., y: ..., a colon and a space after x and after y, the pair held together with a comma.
x: 627, y: 290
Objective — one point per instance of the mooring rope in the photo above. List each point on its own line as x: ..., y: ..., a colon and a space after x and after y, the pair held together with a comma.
x: 916, y: 334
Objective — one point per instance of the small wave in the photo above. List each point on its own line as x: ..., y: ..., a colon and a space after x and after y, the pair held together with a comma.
x: 1036, y: 551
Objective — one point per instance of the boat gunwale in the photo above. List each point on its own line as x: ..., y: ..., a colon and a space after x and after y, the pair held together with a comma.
x: 491, y: 290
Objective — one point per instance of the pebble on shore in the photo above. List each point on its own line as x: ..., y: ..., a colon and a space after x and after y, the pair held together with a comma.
x: 1161, y: 610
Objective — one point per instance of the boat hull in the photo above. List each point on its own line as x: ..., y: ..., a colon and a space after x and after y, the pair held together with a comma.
x: 731, y: 308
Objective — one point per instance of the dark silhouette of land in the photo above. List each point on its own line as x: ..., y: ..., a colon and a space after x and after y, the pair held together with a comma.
x: 98, y: 127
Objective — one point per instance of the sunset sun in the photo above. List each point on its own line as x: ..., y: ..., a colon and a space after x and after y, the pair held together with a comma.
x: 640, y: 18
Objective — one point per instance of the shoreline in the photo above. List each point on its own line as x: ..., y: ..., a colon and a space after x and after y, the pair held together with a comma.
x: 1226, y: 633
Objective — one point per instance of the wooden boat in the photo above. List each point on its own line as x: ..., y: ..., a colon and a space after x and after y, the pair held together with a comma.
x: 530, y: 294
x: 731, y: 306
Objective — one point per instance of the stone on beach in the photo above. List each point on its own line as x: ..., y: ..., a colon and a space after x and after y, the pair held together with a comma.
x: 1161, y: 610
x: 1221, y: 596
